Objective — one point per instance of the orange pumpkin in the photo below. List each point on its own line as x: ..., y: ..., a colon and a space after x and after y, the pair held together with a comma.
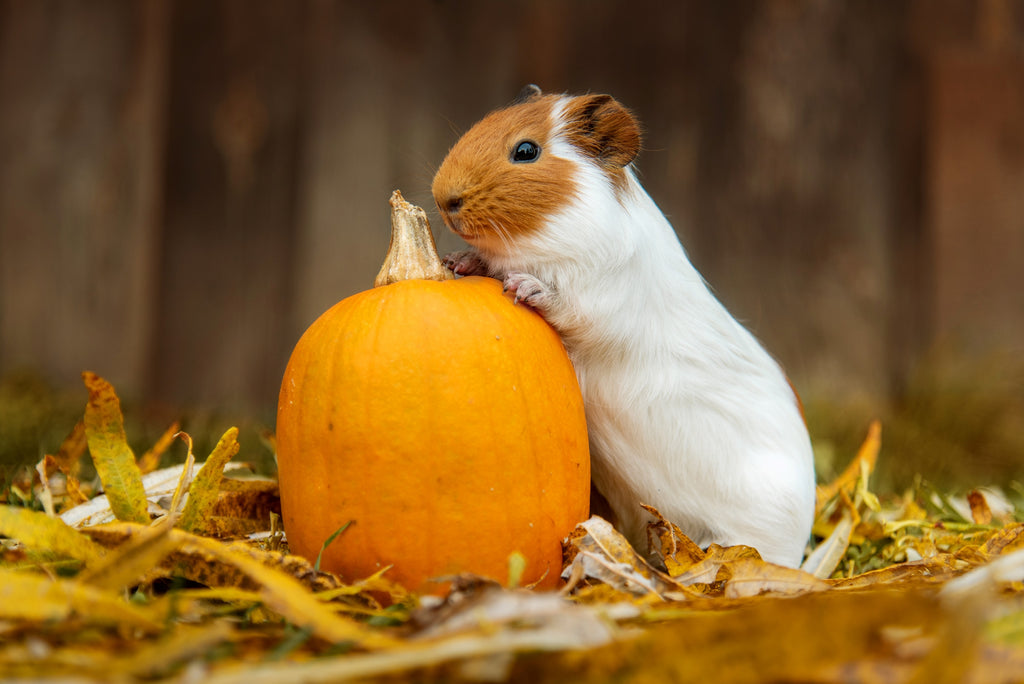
x: 442, y: 420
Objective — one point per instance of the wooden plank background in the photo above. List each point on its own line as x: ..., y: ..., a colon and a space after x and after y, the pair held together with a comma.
x: 184, y: 186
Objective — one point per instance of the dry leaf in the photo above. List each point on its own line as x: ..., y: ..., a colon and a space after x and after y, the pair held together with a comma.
x: 280, y: 591
x: 927, y: 571
x: 158, y: 486
x: 150, y: 460
x: 40, y: 531
x: 863, y: 462
x: 752, y: 577
x: 243, y: 504
x: 1006, y: 568
x: 676, y: 551
x: 605, y: 555
x: 980, y: 512
x: 264, y: 605
x: 66, y: 462
x: 68, y: 457
x: 1010, y: 538
x: 288, y: 597
x: 182, y: 644
x: 206, y: 485
x: 823, y: 561
x: 28, y: 596
x: 113, y: 458
x: 130, y: 563
x: 211, y: 570
x: 708, y: 570
x: 488, y: 606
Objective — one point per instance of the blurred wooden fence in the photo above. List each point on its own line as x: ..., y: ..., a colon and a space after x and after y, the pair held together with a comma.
x: 185, y: 185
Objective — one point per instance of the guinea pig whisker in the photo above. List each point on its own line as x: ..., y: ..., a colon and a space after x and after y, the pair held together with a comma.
x: 505, y: 236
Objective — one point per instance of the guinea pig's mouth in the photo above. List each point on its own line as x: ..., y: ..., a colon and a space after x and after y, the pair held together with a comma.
x: 460, y: 227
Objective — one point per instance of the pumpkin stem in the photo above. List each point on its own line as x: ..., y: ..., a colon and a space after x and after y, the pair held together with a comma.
x: 412, y: 254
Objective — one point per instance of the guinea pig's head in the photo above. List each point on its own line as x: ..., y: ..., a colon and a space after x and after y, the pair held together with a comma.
x: 526, y: 162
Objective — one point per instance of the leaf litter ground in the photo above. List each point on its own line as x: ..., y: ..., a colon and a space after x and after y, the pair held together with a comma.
x: 182, y: 574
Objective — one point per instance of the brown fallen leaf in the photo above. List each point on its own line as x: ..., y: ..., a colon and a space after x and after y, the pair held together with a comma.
x: 1009, y: 538
x: 603, y: 554
x: 243, y: 506
x: 980, y: 511
x: 752, y: 577
x: 707, y: 570
x: 668, y: 543
x: 66, y: 462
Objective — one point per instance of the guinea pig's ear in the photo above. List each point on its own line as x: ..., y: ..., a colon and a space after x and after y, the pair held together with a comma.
x: 602, y: 128
x: 529, y: 92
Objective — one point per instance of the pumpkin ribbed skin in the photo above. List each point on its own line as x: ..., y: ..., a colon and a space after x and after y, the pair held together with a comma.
x: 441, y: 419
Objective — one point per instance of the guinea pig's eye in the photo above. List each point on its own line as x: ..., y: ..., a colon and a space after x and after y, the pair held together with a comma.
x: 525, y: 151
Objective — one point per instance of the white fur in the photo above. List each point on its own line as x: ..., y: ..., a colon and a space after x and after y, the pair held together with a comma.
x: 686, y: 411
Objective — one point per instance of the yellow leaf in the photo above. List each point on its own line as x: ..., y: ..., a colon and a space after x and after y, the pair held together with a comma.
x: 68, y: 456
x: 113, y: 458
x: 40, y: 531
x: 150, y: 460
x: 28, y: 596
x: 203, y: 492
x: 278, y: 590
x: 225, y: 594
x: 127, y: 564
x: 863, y: 462
x: 183, y: 482
x: 376, y: 583
x: 286, y: 596
x: 183, y: 643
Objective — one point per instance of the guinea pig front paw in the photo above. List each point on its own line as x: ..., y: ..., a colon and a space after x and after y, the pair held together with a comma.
x: 529, y: 290
x: 466, y: 263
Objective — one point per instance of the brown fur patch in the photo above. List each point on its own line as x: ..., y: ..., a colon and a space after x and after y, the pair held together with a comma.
x: 605, y: 131
x: 481, y: 193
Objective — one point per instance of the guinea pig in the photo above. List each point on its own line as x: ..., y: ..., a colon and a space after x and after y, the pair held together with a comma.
x: 685, y: 409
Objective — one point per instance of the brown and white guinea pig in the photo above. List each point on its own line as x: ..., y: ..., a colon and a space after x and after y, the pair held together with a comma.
x: 685, y: 410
